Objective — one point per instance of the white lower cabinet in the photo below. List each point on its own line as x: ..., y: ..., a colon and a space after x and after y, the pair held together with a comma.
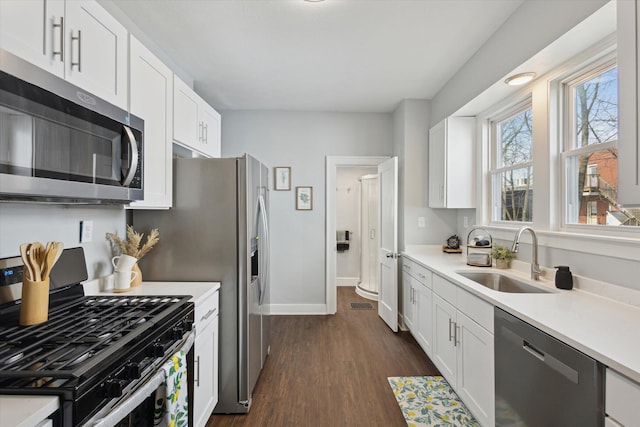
x: 463, y: 350
x: 417, y: 306
x: 408, y: 306
x: 424, y: 318
x: 205, y: 380
x: 206, y: 373
x: 621, y: 400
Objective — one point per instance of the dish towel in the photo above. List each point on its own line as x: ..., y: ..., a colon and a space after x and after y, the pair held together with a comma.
x: 171, y: 396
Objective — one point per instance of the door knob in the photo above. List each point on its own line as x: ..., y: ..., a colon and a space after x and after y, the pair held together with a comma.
x: 389, y: 255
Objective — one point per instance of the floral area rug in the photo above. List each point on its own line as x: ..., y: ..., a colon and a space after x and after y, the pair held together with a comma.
x: 430, y: 401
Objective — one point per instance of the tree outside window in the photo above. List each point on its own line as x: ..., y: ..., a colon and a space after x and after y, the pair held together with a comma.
x: 513, y: 175
x: 591, y: 160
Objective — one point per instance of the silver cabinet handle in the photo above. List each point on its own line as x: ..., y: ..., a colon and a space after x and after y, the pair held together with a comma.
x: 422, y: 276
x: 200, y: 131
x: 456, y: 337
x: 206, y: 133
x: 61, y: 31
x: 450, y: 334
x: 79, y: 39
x: 209, y: 313
x: 196, y: 380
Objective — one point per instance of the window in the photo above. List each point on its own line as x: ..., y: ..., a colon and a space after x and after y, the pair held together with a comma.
x: 590, y: 156
x: 512, y: 174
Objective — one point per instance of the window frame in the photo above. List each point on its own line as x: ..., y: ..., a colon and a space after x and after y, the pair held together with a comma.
x: 566, y: 130
x: 495, y: 171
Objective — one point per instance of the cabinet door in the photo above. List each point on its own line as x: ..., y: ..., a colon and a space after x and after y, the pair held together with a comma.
x: 437, y: 163
x: 27, y: 30
x: 408, y: 308
x: 444, y: 340
x: 475, y: 369
x: 151, y: 98
x: 211, y: 130
x: 206, y: 374
x: 186, y: 128
x: 96, y: 51
x: 629, y: 113
x: 424, y: 318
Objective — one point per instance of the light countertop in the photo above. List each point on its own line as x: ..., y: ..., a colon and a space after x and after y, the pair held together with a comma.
x: 26, y: 411
x: 603, y: 328
x: 196, y: 289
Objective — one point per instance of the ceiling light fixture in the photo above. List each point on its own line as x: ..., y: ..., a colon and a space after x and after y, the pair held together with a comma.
x: 519, y: 79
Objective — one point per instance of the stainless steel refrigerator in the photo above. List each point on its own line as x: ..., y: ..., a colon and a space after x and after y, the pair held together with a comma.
x: 217, y: 230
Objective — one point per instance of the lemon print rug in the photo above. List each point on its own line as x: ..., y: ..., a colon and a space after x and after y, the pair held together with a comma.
x: 430, y: 401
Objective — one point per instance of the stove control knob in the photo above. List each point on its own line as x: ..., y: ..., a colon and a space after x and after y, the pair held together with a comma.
x: 157, y: 350
x: 132, y: 371
x: 113, y: 388
x: 188, y: 325
x: 176, y: 333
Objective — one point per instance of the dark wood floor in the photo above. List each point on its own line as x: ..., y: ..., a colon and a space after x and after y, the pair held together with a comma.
x: 332, y: 371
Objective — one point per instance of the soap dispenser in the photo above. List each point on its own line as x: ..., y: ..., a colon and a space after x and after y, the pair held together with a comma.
x: 564, y: 278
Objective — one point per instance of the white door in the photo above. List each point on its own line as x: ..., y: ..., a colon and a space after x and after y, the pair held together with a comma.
x: 388, y: 242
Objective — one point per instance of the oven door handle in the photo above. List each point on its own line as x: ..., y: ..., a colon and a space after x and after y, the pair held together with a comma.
x: 132, y: 402
x: 119, y: 412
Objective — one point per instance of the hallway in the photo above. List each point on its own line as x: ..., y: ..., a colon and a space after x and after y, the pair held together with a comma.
x: 326, y: 371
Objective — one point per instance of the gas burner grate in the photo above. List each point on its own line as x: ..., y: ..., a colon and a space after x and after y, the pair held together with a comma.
x: 78, y: 336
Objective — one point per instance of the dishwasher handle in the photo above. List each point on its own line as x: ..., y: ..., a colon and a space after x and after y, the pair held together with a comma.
x: 532, y: 350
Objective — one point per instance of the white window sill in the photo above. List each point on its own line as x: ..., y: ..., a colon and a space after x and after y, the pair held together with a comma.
x: 623, y: 247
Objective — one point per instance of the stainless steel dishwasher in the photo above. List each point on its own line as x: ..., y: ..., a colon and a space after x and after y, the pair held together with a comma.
x: 541, y: 381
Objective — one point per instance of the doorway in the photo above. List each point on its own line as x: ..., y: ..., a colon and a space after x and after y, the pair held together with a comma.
x: 333, y: 164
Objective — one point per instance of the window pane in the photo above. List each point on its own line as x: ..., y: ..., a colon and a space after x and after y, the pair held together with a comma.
x: 515, y: 138
x: 596, y: 109
x: 592, y: 189
x: 515, y: 192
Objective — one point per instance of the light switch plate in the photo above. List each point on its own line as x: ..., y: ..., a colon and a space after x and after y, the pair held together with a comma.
x: 86, y: 231
x: 421, y: 222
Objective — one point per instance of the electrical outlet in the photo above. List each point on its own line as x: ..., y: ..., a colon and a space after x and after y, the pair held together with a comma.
x: 465, y: 221
x: 421, y: 222
x: 86, y: 231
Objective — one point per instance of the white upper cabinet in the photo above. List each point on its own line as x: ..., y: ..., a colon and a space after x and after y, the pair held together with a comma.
x: 451, y: 163
x: 629, y: 113
x: 33, y: 30
x: 96, y: 51
x: 196, y: 125
x: 75, y: 40
x: 151, y: 99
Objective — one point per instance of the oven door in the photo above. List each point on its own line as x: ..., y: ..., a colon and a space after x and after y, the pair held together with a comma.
x: 137, y: 407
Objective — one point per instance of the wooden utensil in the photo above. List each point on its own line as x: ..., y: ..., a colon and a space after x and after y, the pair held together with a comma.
x: 52, y: 253
x: 24, y: 249
x: 34, y: 258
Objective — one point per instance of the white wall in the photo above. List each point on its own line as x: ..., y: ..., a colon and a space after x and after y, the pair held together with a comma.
x: 532, y: 27
x: 411, y: 137
x: 302, y: 140
x: 28, y: 222
x: 348, y: 215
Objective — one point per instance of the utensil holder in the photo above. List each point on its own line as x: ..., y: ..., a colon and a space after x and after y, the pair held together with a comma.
x: 34, y: 308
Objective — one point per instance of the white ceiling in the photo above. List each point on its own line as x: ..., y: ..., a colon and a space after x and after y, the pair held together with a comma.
x: 337, y: 55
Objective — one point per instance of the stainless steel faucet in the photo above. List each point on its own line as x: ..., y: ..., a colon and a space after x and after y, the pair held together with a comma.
x: 535, y: 268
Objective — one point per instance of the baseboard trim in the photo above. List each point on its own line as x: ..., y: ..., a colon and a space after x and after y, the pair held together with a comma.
x: 298, y: 309
x: 347, y: 281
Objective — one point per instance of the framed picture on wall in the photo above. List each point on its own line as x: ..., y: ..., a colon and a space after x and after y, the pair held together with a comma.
x: 282, y: 178
x: 304, y: 198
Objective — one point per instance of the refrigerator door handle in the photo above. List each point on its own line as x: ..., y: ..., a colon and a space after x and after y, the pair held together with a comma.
x: 265, y: 270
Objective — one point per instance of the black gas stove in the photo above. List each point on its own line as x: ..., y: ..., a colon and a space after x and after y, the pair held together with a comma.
x: 93, y: 351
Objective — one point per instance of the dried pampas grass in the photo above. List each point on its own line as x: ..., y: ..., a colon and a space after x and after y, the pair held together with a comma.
x: 131, y: 246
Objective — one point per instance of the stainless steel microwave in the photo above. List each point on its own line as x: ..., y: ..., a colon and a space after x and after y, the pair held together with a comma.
x: 61, y: 144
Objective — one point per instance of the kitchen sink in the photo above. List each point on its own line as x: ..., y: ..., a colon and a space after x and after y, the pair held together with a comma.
x: 500, y: 282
